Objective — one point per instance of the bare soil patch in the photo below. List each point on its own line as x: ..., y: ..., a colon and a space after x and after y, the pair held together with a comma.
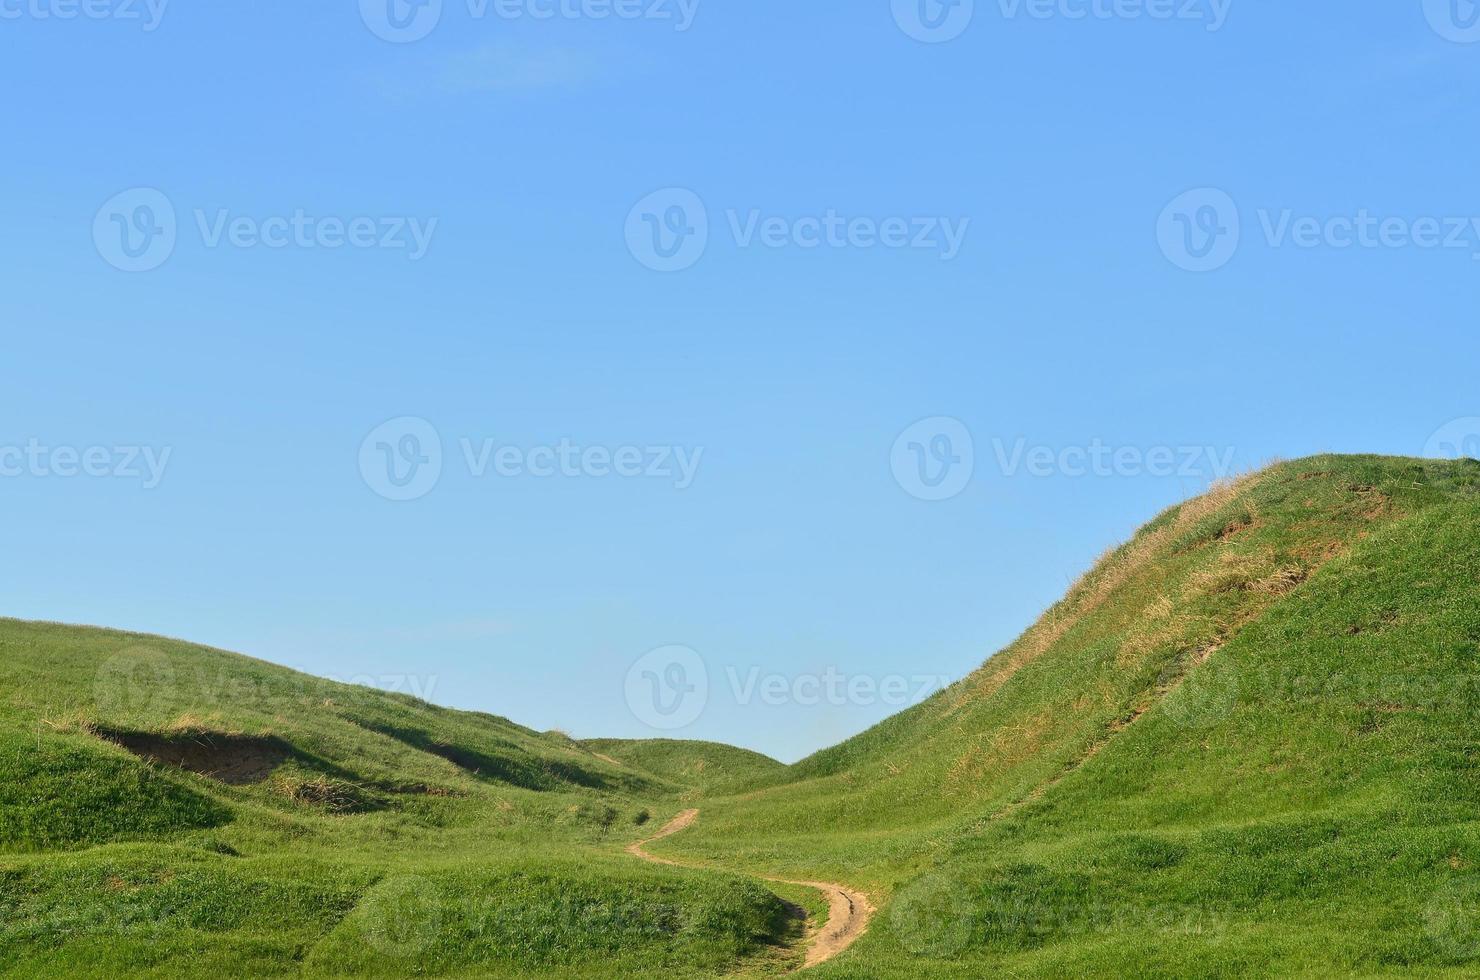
x: 236, y: 760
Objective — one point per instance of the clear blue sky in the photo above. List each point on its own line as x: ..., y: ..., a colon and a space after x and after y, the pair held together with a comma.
x: 1061, y: 147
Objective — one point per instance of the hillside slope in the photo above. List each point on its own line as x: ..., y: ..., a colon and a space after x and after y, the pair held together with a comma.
x: 1245, y: 743
x: 167, y: 809
x: 707, y: 767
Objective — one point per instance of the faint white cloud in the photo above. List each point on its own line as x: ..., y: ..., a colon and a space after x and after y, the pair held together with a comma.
x: 465, y: 629
x: 508, y: 67
x: 499, y: 67
x: 314, y: 640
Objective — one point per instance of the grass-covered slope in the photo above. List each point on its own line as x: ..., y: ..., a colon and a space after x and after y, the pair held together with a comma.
x: 167, y: 810
x: 1245, y: 744
x: 708, y: 767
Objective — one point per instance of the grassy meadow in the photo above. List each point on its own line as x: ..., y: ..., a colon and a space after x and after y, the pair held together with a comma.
x: 1244, y: 744
x: 385, y: 837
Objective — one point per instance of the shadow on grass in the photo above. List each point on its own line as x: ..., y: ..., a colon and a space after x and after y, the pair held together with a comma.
x: 251, y: 760
x: 524, y: 771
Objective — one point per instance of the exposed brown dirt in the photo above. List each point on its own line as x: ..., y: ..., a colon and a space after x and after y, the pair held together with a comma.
x: 237, y: 760
x: 848, y: 914
x: 683, y: 821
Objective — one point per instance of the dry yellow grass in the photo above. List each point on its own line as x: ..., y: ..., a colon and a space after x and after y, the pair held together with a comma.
x: 1092, y: 590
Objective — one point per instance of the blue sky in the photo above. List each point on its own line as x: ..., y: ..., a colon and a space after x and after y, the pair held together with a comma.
x: 929, y: 270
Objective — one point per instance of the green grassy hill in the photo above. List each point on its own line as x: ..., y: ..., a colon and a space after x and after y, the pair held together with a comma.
x: 167, y: 808
x: 708, y: 768
x: 1245, y: 744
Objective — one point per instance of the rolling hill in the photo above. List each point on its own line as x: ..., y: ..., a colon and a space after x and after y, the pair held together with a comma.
x: 1244, y: 744
x: 167, y: 809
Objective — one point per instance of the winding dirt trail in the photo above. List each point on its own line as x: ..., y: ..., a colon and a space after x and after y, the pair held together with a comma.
x: 848, y: 914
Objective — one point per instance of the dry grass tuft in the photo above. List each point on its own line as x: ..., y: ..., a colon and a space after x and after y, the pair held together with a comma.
x: 1148, y: 636
x: 1093, y: 589
x: 999, y: 749
x: 1233, y: 571
x: 1258, y: 572
x: 320, y: 791
x: 189, y: 723
x: 1281, y: 580
x: 73, y: 721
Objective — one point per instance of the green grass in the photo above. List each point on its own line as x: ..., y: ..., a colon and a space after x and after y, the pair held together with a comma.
x: 389, y: 837
x: 710, y: 769
x: 1245, y: 744
x: 1101, y: 800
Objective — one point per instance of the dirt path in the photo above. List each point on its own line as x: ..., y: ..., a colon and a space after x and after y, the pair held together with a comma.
x: 683, y: 821
x: 848, y: 910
